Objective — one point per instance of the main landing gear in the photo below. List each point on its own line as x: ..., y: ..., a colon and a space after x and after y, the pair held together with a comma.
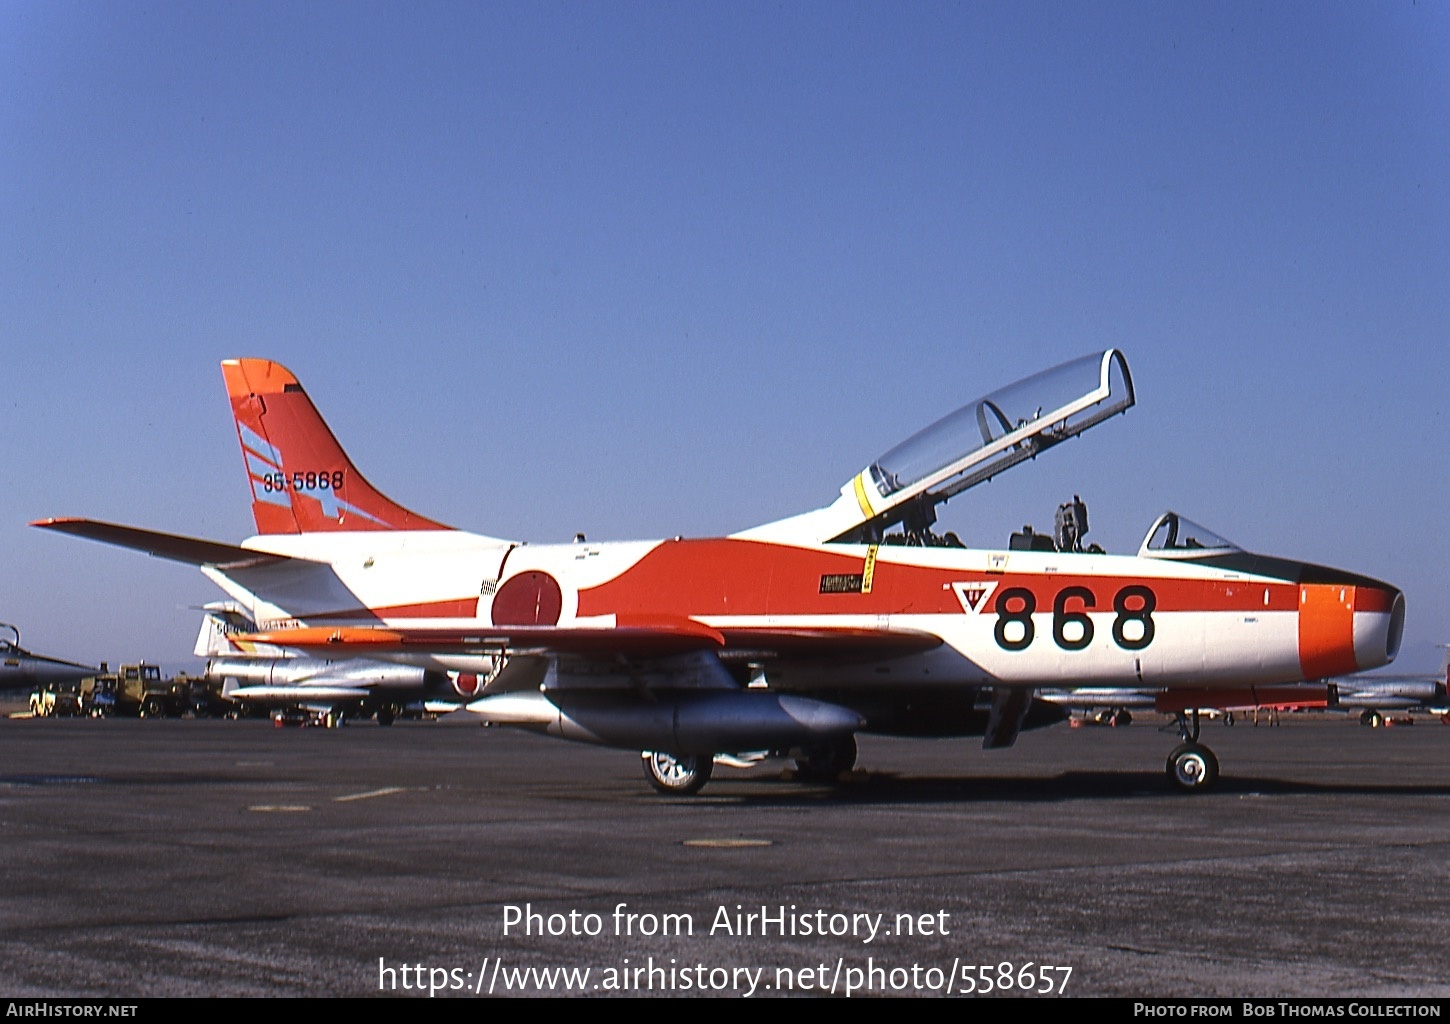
x: 686, y: 774
x: 826, y: 761
x: 677, y: 774
x: 1192, y: 767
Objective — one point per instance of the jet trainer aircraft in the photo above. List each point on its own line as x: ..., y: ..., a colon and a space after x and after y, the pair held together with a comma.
x: 788, y: 637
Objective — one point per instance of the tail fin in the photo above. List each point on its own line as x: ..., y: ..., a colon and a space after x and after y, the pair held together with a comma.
x: 222, y: 621
x: 301, y: 479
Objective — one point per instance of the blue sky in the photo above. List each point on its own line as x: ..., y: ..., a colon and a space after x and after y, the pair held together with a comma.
x: 644, y: 269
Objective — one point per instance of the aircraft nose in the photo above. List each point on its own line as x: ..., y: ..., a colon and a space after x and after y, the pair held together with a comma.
x: 1379, y: 625
x: 1350, y: 625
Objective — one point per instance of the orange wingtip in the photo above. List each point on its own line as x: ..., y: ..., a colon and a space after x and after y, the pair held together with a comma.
x: 255, y: 377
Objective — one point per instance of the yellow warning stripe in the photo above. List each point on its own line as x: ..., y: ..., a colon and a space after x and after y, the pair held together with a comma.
x: 869, y: 570
x: 861, y: 498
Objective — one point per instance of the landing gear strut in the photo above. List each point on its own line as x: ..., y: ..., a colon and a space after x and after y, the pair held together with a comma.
x: 1192, y: 767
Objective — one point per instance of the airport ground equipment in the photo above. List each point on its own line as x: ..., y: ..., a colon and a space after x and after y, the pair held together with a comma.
x: 140, y: 691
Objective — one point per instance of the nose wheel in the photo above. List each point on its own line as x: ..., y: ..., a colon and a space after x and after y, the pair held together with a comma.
x: 1192, y: 767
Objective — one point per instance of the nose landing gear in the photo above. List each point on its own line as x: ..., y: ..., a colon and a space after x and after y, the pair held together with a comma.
x: 1192, y: 767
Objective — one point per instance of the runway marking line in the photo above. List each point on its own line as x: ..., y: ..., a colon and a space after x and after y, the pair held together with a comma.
x: 279, y: 808
x: 389, y: 791
x: 728, y: 844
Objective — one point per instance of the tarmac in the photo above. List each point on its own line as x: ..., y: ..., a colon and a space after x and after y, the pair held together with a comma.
x: 433, y: 859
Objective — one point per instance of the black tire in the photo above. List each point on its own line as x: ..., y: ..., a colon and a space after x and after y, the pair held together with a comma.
x: 677, y: 774
x: 1192, y: 768
x: 385, y: 715
x: 827, y: 761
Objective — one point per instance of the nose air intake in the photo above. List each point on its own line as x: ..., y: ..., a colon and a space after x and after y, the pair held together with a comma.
x: 1394, y: 629
x: 1348, y: 626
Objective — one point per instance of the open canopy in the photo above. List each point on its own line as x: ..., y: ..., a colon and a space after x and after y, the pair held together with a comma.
x: 973, y: 444
x: 986, y: 436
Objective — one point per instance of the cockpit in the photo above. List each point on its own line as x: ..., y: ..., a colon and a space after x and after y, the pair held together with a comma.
x: 1174, y: 536
x: 1170, y: 536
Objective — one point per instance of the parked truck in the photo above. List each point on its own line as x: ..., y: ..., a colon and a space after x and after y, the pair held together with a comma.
x: 141, y: 691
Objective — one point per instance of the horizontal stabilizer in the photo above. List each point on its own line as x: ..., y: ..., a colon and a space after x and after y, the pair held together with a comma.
x: 191, y: 550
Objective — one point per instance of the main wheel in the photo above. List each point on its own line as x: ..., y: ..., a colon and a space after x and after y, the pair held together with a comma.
x: 1192, y: 768
x: 828, y: 760
x: 677, y: 774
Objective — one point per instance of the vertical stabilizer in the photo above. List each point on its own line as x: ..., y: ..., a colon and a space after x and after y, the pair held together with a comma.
x: 222, y: 622
x: 301, y: 479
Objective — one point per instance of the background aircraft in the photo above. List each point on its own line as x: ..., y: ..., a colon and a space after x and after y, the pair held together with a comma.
x: 269, y: 676
x: 1116, y: 706
x: 22, y: 670
x: 1372, y: 696
x: 794, y: 635
x: 1376, y: 697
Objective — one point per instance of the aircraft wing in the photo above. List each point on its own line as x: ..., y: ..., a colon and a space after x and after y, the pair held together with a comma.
x: 626, y: 638
x: 1243, y: 698
x: 853, y: 644
x: 176, y: 547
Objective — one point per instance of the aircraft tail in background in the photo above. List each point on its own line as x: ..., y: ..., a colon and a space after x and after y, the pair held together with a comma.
x: 222, y: 624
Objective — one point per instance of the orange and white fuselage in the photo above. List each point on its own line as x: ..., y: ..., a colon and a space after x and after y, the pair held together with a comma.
x: 1018, y: 618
